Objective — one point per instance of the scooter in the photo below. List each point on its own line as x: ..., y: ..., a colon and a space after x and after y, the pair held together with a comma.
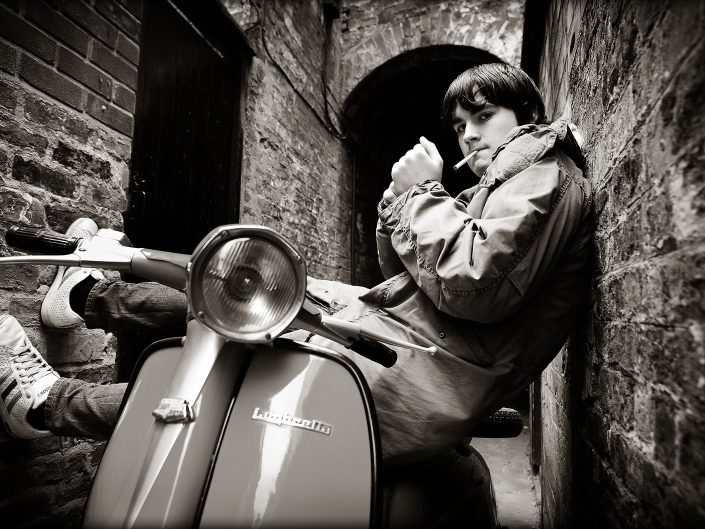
x: 235, y: 425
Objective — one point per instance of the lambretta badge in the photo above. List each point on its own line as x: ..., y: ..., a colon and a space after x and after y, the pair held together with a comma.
x: 289, y: 420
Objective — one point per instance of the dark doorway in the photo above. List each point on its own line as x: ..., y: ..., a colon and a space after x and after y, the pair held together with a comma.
x: 386, y: 114
x: 186, y: 147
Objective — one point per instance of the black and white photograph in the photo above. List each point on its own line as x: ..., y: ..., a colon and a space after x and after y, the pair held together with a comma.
x: 352, y: 264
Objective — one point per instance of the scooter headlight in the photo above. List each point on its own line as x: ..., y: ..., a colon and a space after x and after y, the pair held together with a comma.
x: 247, y: 283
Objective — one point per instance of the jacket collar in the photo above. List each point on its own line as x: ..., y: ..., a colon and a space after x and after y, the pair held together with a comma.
x: 526, y: 145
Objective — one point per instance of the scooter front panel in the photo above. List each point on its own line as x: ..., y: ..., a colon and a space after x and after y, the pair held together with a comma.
x: 152, y: 474
x: 297, y: 449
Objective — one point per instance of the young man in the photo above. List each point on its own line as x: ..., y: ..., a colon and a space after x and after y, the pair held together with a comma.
x: 494, y: 278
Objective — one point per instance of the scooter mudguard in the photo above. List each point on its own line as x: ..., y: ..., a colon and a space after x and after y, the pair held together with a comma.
x: 298, y: 449
x: 283, y: 435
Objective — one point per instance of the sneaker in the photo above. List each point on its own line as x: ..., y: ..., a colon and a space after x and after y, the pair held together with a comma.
x: 25, y: 379
x: 56, y: 308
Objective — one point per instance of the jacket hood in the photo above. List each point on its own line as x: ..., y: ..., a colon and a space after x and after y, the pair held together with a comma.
x: 527, y: 144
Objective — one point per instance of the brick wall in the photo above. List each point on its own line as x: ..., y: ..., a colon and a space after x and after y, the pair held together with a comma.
x: 68, y: 73
x: 623, y: 405
x: 375, y: 32
x: 295, y: 170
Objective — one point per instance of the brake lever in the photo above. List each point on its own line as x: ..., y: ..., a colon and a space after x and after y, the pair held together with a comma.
x: 100, y: 252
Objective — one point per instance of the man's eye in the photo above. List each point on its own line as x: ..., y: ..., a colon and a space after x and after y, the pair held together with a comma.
x: 485, y: 116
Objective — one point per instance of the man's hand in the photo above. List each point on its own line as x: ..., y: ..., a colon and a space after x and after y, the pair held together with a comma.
x: 389, y: 194
x: 420, y: 164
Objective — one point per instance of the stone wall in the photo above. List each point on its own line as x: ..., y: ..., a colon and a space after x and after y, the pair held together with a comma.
x: 68, y: 74
x: 69, y: 71
x: 623, y: 405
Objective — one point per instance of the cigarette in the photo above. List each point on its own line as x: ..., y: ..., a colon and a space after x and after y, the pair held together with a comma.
x: 464, y: 160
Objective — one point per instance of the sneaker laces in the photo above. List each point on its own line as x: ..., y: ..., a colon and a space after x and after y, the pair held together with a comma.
x: 30, y: 367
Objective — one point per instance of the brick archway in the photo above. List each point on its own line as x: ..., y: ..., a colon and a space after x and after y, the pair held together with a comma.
x: 377, y: 32
x: 385, y: 114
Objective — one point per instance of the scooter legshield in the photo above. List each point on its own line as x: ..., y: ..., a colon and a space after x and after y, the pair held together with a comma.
x: 283, y: 436
x: 152, y: 474
x: 299, y: 447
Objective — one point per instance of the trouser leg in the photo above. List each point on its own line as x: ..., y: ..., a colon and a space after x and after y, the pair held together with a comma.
x: 81, y: 409
x: 448, y: 490
x: 138, y: 314
x: 120, y: 306
x: 76, y: 408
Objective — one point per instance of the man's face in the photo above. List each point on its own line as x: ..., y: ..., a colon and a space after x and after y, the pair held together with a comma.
x: 483, y: 131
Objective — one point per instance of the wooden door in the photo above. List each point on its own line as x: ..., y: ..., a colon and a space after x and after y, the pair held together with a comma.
x: 186, y: 147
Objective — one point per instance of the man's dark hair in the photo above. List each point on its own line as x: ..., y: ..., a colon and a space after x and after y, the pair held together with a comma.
x: 499, y: 84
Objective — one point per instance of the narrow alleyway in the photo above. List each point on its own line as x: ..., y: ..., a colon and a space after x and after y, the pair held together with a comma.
x: 517, y: 490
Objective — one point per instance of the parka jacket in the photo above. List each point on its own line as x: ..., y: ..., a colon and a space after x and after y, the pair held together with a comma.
x: 495, y: 278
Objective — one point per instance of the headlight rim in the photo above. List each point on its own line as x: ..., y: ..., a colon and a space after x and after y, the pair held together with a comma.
x: 200, y: 258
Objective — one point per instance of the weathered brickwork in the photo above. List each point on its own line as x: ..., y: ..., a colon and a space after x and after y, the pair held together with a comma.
x: 295, y: 175
x: 375, y: 32
x: 623, y: 406
x: 67, y: 81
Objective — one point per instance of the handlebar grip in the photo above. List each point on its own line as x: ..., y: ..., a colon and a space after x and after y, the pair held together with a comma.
x: 375, y: 351
x: 40, y: 240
